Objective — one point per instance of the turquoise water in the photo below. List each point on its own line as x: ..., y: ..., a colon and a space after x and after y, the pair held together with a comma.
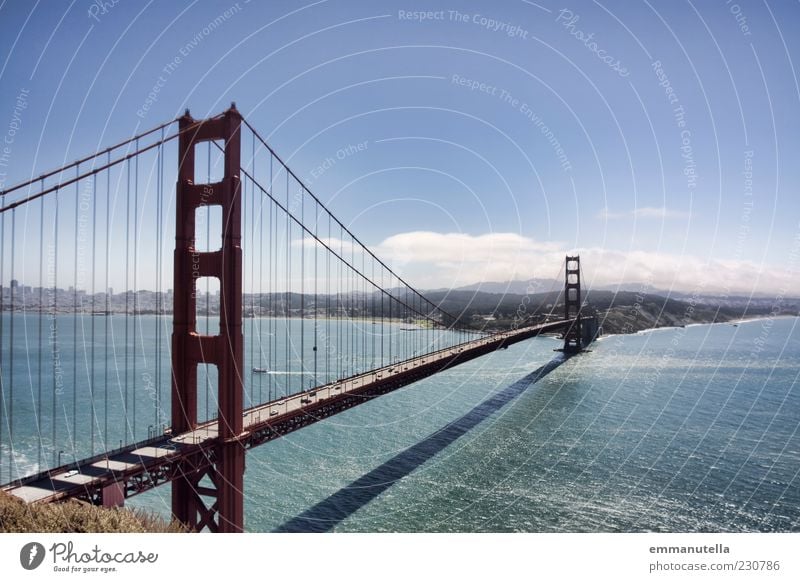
x: 76, y: 385
x: 690, y: 429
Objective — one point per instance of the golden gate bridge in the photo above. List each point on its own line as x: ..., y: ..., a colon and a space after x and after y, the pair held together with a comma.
x: 277, y: 317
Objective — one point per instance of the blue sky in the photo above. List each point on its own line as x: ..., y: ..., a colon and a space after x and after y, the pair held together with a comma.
x: 494, y: 137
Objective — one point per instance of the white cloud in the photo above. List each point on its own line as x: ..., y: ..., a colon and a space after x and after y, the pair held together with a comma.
x: 342, y: 247
x: 434, y: 260
x: 644, y: 212
x: 430, y: 259
x: 684, y: 272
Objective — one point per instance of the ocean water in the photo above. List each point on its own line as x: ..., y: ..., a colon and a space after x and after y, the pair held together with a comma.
x: 75, y: 385
x: 688, y: 429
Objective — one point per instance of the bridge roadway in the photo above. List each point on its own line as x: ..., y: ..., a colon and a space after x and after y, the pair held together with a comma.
x: 110, y: 477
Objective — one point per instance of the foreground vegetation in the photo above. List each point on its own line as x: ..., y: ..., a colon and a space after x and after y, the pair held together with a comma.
x: 16, y: 516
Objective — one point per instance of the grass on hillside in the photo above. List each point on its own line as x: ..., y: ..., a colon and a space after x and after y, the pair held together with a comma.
x: 72, y: 516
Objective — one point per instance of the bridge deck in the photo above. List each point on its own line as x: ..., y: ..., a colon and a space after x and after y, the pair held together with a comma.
x: 140, y: 467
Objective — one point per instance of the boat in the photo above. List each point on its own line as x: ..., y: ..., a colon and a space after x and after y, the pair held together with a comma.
x: 260, y: 370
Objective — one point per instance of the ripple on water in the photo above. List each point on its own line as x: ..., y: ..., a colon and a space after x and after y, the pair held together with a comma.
x: 620, y: 439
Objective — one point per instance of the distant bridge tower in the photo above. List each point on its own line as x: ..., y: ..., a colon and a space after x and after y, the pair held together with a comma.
x: 224, y: 466
x: 572, y: 304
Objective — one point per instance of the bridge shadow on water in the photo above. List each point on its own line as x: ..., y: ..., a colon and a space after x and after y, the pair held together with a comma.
x: 326, y: 514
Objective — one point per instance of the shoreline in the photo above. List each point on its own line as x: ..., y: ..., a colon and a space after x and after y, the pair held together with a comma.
x: 753, y: 319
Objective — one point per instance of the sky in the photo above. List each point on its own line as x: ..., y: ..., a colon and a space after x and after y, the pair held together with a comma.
x: 462, y: 141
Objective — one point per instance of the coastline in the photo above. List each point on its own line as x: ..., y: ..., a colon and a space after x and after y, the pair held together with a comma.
x: 754, y: 319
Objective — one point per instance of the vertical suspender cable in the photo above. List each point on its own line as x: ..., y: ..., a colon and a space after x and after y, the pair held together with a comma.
x: 302, y: 292
x: 351, y: 301
x: 2, y: 311
x: 207, y: 210
x: 391, y: 334
x: 348, y: 296
x: 260, y: 268
x: 288, y: 307
x: 274, y: 299
x: 134, y: 379
x: 251, y: 248
x: 351, y: 283
x: 328, y: 308
x: 54, y: 329
x: 75, y: 322
x: 93, y: 412
x: 159, y: 267
x: 316, y: 274
x: 364, y: 314
x: 12, y: 461
x: 127, y: 287
x: 271, y: 329
x: 339, y: 306
x: 107, y: 316
x: 41, y: 317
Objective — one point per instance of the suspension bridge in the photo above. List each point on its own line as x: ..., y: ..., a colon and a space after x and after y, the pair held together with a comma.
x: 276, y: 316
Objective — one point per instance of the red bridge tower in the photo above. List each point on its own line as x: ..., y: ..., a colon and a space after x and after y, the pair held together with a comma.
x: 573, y: 338
x: 225, y: 465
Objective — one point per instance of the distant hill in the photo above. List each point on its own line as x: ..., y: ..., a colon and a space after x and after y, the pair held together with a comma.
x: 619, y: 312
x: 519, y: 287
